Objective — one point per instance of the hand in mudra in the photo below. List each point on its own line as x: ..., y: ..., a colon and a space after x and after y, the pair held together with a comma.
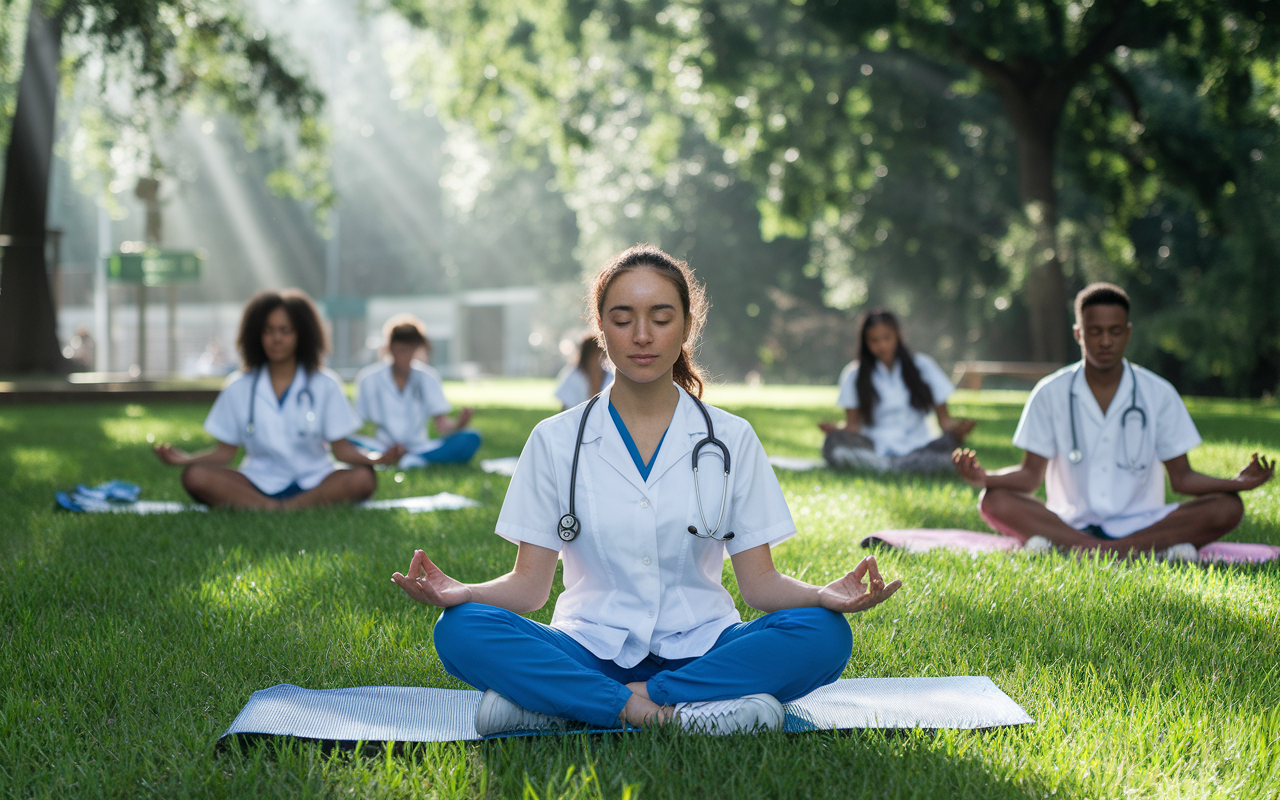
x: 427, y: 584
x: 391, y: 455
x: 851, y: 594
x: 968, y: 468
x: 171, y: 455
x: 1258, y: 471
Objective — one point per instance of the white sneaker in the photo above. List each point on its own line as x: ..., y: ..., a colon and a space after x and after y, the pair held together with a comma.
x: 720, y: 717
x: 1037, y: 546
x: 1183, y: 552
x: 412, y: 461
x: 497, y: 714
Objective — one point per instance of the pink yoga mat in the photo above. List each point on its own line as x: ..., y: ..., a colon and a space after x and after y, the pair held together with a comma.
x: 921, y: 540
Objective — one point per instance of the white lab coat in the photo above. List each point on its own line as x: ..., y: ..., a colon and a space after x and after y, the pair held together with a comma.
x: 285, y: 446
x: 898, y: 427
x: 636, y: 581
x: 1119, y: 484
x: 401, y: 415
x: 574, y: 388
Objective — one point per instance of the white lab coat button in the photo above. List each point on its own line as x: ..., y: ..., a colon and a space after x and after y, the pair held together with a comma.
x: 644, y: 503
x: 651, y: 614
x: 647, y: 561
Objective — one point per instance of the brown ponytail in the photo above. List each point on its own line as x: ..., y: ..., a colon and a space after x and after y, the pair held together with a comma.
x: 693, y: 297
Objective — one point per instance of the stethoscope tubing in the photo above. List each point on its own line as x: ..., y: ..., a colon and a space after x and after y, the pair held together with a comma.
x: 570, y: 526
x: 250, y: 428
x: 1076, y: 456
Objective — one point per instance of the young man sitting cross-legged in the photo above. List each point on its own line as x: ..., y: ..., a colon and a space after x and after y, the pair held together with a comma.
x: 1098, y: 432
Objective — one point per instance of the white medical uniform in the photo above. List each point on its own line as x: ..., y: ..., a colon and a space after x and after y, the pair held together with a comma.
x: 636, y: 581
x: 574, y: 388
x: 401, y: 414
x: 285, y: 446
x: 898, y: 427
x: 1119, y: 484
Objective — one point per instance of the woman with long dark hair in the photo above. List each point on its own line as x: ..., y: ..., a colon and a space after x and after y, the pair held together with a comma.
x: 643, y: 632
x: 287, y: 412
x: 887, y: 395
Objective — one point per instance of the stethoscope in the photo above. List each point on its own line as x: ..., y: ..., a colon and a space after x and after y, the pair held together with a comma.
x: 570, y: 525
x: 1131, y: 464
x: 305, y: 392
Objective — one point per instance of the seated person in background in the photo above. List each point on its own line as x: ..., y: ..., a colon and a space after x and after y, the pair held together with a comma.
x: 282, y: 409
x: 1101, y: 429
x: 887, y: 395
x: 401, y: 394
x: 583, y: 380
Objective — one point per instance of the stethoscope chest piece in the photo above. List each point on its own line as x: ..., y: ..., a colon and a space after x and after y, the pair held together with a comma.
x: 569, y: 527
x: 1075, y: 456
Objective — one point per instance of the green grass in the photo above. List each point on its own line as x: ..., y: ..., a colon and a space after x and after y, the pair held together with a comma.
x: 127, y: 644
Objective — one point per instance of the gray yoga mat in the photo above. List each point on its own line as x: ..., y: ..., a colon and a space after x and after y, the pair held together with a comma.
x: 413, y: 714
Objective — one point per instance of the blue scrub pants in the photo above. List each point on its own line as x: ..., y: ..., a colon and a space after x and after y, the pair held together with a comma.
x: 456, y: 448
x: 786, y: 654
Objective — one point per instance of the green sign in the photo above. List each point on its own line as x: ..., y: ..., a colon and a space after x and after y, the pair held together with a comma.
x: 345, y: 307
x: 155, y: 267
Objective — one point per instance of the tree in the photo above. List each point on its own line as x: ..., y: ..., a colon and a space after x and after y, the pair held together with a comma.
x: 842, y: 110
x: 172, y: 50
x: 1040, y: 60
x: 620, y: 98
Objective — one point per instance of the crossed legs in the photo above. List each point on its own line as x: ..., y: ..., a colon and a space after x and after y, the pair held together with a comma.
x: 1199, y: 521
x: 786, y: 654
x: 229, y: 488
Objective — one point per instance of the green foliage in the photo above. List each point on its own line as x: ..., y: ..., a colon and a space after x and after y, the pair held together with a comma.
x: 153, y: 59
x: 884, y: 133
x: 127, y: 644
x: 543, y: 85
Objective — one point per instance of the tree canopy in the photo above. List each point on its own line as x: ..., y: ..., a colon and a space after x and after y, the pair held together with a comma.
x: 969, y: 163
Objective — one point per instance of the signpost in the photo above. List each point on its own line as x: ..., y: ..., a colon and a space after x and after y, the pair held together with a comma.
x: 165, y: 268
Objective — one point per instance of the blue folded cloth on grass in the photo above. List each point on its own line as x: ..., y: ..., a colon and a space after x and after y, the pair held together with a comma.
x: 99, y: 498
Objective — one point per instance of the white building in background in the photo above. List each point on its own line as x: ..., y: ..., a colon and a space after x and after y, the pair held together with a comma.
x: 491, y: 332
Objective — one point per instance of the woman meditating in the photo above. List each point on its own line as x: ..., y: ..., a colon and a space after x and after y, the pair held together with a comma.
x: 287, y: 412
x: 887, y: 395
x: 641, y: 492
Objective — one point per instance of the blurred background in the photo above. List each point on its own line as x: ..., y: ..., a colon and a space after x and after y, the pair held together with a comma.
x: 969, y: 165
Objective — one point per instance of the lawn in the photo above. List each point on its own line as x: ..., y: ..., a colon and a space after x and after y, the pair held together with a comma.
x: 129, y: 643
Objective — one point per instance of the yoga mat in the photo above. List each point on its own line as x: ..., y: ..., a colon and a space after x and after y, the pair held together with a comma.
x: 84, y: 505
x: 796, y: 464
x: 414, y: 505
x: 411, y: 714
x: 500, y: 466
x: 922, y: 540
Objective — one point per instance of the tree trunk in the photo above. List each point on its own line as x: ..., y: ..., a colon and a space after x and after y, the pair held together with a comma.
x: 1046, y: 286
x: 1035, y: 116
x: 28, y: 321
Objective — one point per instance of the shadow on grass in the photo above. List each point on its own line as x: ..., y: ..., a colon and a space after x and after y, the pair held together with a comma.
x: 668, y: 764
